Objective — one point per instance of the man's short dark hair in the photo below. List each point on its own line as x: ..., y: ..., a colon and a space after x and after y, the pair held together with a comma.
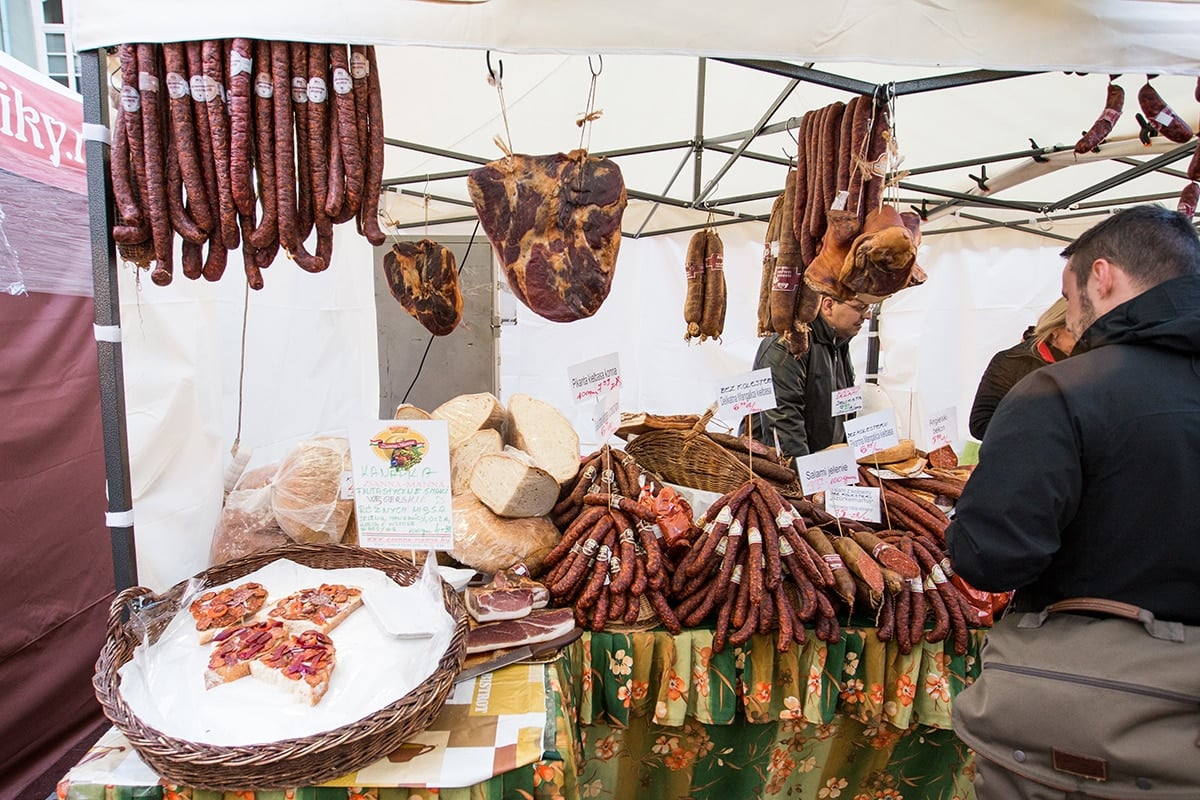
x: 1149, y: 243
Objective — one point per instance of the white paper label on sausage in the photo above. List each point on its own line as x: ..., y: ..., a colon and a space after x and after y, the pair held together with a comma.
x: 299, y: 90
x: 359, y: 66
x: 239, y: 63
x: 937, y: 574
x: 1165, y: 118
x: 774, y: 249
x: 263, y: 86
x: 147, y: 82
x: 342, y: 82
x: 915, y: 585
x: 204, y: 89
x: 316, y: 90
x: 177, y: 85
x: 785, y: 547
x: 833, y: 560
x: 754, y: 537
x: 131, y: 101
x: 839, y: 201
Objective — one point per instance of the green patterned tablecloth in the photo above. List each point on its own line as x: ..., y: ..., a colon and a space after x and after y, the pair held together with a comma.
x: 663, y: 716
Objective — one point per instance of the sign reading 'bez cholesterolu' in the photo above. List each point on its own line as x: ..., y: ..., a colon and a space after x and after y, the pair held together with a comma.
x: 748, y: 393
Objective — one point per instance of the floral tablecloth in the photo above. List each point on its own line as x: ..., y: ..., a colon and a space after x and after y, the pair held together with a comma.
x: 663, y: 716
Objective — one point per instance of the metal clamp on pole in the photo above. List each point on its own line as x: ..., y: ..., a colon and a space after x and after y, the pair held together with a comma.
x: 107, y: 333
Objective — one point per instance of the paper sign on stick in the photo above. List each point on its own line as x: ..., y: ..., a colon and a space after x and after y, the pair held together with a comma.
x: 847, y: 401
x: 825, y: 469
x: 872, y: 433
x: 747, y: 393
x: 942, y: 428
x: 595, y: 377
x: 606, y: 416
x: 853, y: 502
x: 402, y: 484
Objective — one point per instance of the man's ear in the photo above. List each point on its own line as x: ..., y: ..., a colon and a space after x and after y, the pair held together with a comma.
x: 826, y: 305
x: 1103, y: 273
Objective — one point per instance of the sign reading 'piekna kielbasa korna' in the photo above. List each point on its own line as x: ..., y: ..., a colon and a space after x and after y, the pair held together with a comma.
x: 402, y: 484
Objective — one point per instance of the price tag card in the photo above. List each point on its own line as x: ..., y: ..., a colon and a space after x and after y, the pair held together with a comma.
x: 942, y: 428
x: 606, y: 417
x: 595, y: 377
x: 825, y: 469
x: 872, y: 433
x: 747, y: 393
x: 402, y: 484
x: 853, y: 502
x: 847, y: 401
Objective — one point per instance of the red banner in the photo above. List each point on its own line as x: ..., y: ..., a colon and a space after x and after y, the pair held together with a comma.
x: 41, y: 124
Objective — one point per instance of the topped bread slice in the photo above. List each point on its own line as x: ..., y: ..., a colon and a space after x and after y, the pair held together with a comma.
x: 322, y: 608
x: 215, y: 611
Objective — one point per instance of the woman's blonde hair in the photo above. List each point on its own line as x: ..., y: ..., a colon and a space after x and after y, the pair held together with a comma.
x: 1052, y: 319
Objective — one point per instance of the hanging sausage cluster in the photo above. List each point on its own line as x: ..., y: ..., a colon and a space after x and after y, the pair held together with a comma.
x: 240, y: 143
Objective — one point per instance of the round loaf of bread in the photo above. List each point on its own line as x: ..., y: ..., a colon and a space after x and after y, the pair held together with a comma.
x: 490, y: 543
x: 307, y: 497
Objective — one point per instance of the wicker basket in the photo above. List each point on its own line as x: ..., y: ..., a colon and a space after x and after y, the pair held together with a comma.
x: 689, y: 458
x: 286, y: 763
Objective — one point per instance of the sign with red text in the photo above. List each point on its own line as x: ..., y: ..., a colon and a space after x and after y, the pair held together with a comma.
x: 859, y: 503
x: 941, y: 428
x: 847, y: 401
x: 825, y: 469
x: 594, y: 378
x: 872, y: 433
x: 747, y: 393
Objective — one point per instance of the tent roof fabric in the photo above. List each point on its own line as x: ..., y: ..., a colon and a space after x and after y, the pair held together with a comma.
x: 1075, y: 35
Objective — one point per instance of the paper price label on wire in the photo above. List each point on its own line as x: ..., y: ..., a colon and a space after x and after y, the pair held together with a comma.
x: 595, y: 377
x: 402, y: 484
x: 942, y: 428
x: 747, y: 393
x: 606, y: 416
x: 847, y: 401
x: 826, y: 469
x: 859, y: 503
x: 872, y: 433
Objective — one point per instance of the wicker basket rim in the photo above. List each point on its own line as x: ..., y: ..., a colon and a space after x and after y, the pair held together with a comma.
x: 231, y: 766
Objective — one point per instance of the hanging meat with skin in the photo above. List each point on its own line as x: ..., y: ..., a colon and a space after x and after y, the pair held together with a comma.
x: 555, y: 224
x: 423, y: 276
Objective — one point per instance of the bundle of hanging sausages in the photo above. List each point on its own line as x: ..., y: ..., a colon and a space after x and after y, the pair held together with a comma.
x: 247, y: 148
x: 829, y: 231
x: 618, y: 522
x: 704, y: 303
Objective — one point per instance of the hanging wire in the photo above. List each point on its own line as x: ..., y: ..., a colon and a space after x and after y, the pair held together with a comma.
x: 237, y: 437
x: 590, y: 114
x: 496, y: 78
x: 429, y: 345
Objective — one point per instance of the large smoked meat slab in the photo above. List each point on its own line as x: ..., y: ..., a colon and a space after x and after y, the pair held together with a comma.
x: 555, y: 223
x: 423, y: 276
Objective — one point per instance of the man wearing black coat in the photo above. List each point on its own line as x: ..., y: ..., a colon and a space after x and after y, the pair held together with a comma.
x: 1086, y: 484
x: 804, y: 386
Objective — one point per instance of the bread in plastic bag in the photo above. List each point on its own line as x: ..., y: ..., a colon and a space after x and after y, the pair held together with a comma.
x: 247, y: 524
x: 307, y: 497
x: 490, y: 543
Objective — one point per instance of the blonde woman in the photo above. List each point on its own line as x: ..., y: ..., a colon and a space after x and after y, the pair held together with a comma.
x: 1045, y: 343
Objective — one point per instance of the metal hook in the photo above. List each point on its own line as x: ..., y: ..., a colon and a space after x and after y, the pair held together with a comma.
x: 491, y: 72
x: 596, y: 72
x: 790, y: 130
x: 1046, y: 223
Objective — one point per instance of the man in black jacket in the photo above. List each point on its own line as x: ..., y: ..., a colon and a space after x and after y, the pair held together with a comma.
x: 1086, y: 484
x: 804, y: 386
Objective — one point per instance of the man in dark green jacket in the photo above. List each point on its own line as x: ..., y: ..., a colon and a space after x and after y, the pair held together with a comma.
x: 804, y: 386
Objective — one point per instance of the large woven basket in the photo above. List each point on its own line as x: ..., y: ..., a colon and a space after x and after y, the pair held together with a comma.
x: 286, y: 763
x: 689, y: 458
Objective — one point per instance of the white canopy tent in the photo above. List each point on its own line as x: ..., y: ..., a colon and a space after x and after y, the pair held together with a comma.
x: 674, y: 116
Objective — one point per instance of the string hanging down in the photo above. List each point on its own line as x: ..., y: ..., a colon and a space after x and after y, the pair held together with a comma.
x: 590, y: 113
x: 496, y: 78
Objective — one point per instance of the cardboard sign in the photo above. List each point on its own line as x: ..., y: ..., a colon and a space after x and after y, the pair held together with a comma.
x: 847, y: 401
x: 942, y: 428
x: 747, y: 393
x: 402, y: 484
x: 595, y: 377
x: 853, y: 502
x: 872, y: 433
x: 823, y: 470
x: 606, y: 417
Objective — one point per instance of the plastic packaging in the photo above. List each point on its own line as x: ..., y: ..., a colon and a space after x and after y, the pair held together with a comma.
x: 490, y: 543
x: 247, y: 523
x: 307, y: 498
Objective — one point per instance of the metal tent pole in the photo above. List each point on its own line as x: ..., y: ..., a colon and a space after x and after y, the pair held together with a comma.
x: 108, y: 319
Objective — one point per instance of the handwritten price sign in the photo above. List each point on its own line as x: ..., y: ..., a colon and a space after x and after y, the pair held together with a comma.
x: 827, y: 468
x: 872, y: 433
x: 747, y: 394
x: 859, y: 503
x: 606, y: 416
x: 847, y: 401
x: 942, y: 428
x: 595, y: 378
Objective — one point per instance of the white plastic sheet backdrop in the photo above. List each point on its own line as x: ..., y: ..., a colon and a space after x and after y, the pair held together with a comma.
x: 311, y: 363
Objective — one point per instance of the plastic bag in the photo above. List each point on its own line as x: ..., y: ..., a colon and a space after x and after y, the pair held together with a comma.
x: 307, y: 497
x: 247, y: 524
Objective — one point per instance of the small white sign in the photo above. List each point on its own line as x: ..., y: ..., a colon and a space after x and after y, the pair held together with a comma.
x: 606, y: 417
x: 747, y: 393
x: 872, y: 433
x: 847, y: 401
x: 595, y: 377
x: 941, y: 428
x: 825, y: 469
x: 402, y: 484
x: 853, y: 502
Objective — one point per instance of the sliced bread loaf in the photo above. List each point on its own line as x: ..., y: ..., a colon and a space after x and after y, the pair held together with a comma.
x: 463, y: 457
x: 544, y: 433
x: 512, y: 486
x: 469, y: 413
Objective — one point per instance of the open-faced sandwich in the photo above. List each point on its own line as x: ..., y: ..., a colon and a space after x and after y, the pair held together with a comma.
x: 321, y: 609
x: 215, y: 611
x: 238, y: 647
x: 303, y: 664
